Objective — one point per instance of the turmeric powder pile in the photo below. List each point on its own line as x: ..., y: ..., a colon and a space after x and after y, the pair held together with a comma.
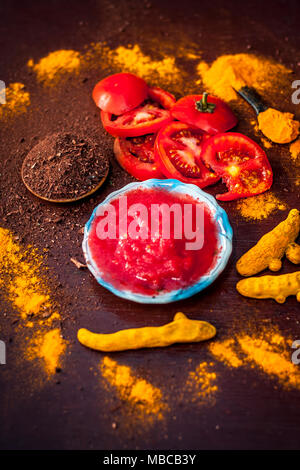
x: 17, y: 101
x: 25, y: 287
x: 132, y: 59
x: 234, y: 70
x: 295, y: 150
x: 268, y: 351
x: 143, y: 399
x: 55, y: 66
x: 260, y: 207
x: 23, y: 284
x: 202, y: 384
x: 279, y: 127
x: 224, y: 351
x: 49, y: 348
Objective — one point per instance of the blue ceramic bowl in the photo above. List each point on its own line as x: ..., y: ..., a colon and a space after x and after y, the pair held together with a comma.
x: 224, y: 237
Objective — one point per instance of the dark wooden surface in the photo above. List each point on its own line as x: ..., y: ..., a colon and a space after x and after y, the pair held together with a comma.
x: 251, y: 410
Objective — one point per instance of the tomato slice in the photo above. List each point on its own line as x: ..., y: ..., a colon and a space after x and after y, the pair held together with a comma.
x: 136, y: 156
x: 163, y: 97
x: 120, y: 93
x: 177, y: 152
x: 145, y: 119
x: 207, y: 112
x: 241, y: 163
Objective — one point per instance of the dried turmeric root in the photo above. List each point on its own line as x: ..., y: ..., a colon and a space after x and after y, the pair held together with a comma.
x: 269, y: 250
x: 180, y: 330
x: 293, y: 253
x: 271, y: 287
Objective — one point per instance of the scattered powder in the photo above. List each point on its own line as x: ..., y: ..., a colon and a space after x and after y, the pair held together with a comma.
x: 17, y: 101
x: 134, y: 60
x: 23, y: 284
x: 295, y: 150
x: 56, y: 65
x: 239, y: 69
x: 202, y: 385
x: 140, y: 395
x: 266, y: 143
x: 49, y: 347
x: 268, y: 350
x: 271, y: 360
x: 224, y: 351
x: 260, y: 207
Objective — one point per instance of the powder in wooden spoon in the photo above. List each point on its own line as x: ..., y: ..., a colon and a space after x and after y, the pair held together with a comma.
x: 63, y: 167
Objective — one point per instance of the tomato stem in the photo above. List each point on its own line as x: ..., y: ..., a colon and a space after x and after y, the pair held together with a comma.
x: 203, y: 106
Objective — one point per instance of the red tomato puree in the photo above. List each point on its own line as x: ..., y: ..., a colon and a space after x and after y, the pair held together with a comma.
x: 149, y: 266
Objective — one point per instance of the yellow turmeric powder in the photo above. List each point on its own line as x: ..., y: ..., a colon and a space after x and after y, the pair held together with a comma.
x: 141, y: 395
x: 17, y: 101
x: 234, y: 70
x: 272, y: 361
x: 260, y: 207
x: 132, y: 58
x: 24, y: 286
x: 224, y: 351
x: 271, y: 287
x: 279, y: 127
x: 269, y: 250
x: 295, y: 150
x: 202, y: 384
x: 267, y: 350
x: 49, y: 347
x: 266, y: 143
x: 55, y: 66
x: 180, y: 330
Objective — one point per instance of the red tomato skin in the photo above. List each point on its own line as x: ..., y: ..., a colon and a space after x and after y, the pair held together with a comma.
x: 119, y: 93
x: 138, y: 169
x: 221, y: 120
x: 165, y: 164
x: 132, y: 131
x: 222, y: 142
x: 160, y: 96
x: 163, y: 97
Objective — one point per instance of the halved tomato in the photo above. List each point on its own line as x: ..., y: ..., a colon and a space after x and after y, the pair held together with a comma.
x: 145, y: 119
x: 241, y: 163
x: 136, y: 156
x: 163, y: 97
x: 177, y: 152
x: 120, y: 93
x: 206, y: 112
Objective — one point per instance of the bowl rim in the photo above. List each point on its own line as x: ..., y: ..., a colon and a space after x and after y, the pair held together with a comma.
x: 225, y: 235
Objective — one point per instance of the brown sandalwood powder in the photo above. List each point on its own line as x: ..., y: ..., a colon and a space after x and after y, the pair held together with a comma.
x: 64, y: 167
